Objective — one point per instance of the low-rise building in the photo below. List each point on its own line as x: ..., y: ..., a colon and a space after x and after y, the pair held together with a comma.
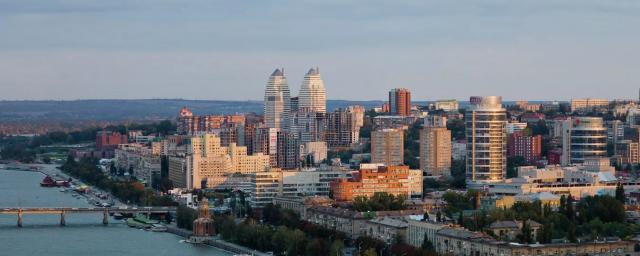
x: 350, y: 222
x: 386, y: 229
x: 395, y: 180
x: 509, y: 229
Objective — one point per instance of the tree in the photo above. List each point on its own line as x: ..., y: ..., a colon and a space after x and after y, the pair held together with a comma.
x: 460, y: 219
x: 513, y: 162
x: 525, y: 234
x: 370, y: 252
x: 337, y: 248
x: 620, y: 193
x: 297, y: 243
x: 570, y: 212
x: 426, y: 244
x: 571, y: 232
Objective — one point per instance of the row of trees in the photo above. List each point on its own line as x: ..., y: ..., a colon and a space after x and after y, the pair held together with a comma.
x: 590, y: 218
x: 129, y: 191
x: 380, y: 201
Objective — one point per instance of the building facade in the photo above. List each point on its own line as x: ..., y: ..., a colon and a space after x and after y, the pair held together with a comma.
x: 312, y: 94
x: 486, y: 132
x: 277, y: 105
x: 435, y: 150
x: 528, y: 147
x: 588, y: 105
x: 343, y: 127
x: 400, y: 102
x: 366, y: 182
x: 387, y: 146
x: 583, y: 137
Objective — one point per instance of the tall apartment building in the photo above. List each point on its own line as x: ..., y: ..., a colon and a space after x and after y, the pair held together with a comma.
x: 208, y: 163
x: 387, y: 147
x: 366, y: 182
x: 587, y: 105
x: 400, y: 101
x: 435, y: 147
x: 265, y: 141
x: 343, y: 127
x: 308, y: 125
x: 583, y: 137
x: 288, y: 151
x: 486, y: 134
x: 312, y: 93
x: 528, y: 147
x: 277, y: 101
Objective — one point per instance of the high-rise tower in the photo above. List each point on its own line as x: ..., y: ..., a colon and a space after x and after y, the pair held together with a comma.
x: 312, y: 93
x: 400, y: 102
x: 277, y: 106
x: 486, y: 139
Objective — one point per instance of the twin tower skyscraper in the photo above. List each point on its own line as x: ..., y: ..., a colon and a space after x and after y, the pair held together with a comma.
x: 278, y: 104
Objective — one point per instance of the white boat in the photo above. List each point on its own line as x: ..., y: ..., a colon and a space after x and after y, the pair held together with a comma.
x: 158, y: 228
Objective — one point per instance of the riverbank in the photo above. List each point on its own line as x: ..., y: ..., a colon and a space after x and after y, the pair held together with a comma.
x: 42, y: 234
x: 53, y: 170
x: 217, y: 242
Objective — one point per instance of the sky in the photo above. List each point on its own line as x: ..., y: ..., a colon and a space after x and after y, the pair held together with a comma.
x: 225, y: 50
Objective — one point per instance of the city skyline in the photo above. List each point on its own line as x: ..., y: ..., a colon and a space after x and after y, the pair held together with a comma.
x: 97, y: 50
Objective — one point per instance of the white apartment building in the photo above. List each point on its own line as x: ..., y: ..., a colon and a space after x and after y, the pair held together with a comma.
x: 277, y: 183
x: 486, y: 140
x: 208, y: 163
x: 277, y: 106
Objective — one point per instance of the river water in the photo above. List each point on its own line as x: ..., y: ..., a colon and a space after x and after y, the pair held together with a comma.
x: 83, y: 234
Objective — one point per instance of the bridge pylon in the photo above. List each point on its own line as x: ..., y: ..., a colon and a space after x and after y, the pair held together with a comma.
x: 62, y: 220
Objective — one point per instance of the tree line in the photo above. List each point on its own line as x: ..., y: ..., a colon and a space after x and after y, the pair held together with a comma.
x: 134, y: 192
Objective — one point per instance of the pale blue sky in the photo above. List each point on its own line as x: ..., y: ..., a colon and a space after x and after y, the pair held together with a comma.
x: 538, y: 49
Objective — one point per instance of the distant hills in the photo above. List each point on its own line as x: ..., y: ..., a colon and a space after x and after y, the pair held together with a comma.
x: 144, y: 109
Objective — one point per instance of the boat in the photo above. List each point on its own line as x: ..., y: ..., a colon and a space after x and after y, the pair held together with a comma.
x: 118, y: 216
x: 158, y: 228
x: 48, y: 182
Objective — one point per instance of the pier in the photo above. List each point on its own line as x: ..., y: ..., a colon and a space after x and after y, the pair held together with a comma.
x: 63, y: 211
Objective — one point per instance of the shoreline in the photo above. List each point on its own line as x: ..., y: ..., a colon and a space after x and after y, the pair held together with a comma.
x: 217, y: 243
x: 172, y: 229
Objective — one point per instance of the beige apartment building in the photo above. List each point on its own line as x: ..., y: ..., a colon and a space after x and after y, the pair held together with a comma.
x: 387, y: 147
x: 435, y: 151
x: 587, y: 105
x: 207, y: 162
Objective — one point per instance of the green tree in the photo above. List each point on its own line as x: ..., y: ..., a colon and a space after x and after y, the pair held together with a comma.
x: 337, y: 248
x: 620, y: 193
x: 426, y: 244
x: 297, y: 243
x: 370, y: 252
x: 571, y: 232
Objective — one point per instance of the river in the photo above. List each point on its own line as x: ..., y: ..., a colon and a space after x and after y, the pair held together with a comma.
x: 83, y: 234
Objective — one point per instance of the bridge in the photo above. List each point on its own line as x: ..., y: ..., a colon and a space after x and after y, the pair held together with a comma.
x: 62, y: 211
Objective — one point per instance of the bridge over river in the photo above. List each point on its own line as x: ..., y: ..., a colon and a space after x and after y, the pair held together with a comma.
x: 62, y: 211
